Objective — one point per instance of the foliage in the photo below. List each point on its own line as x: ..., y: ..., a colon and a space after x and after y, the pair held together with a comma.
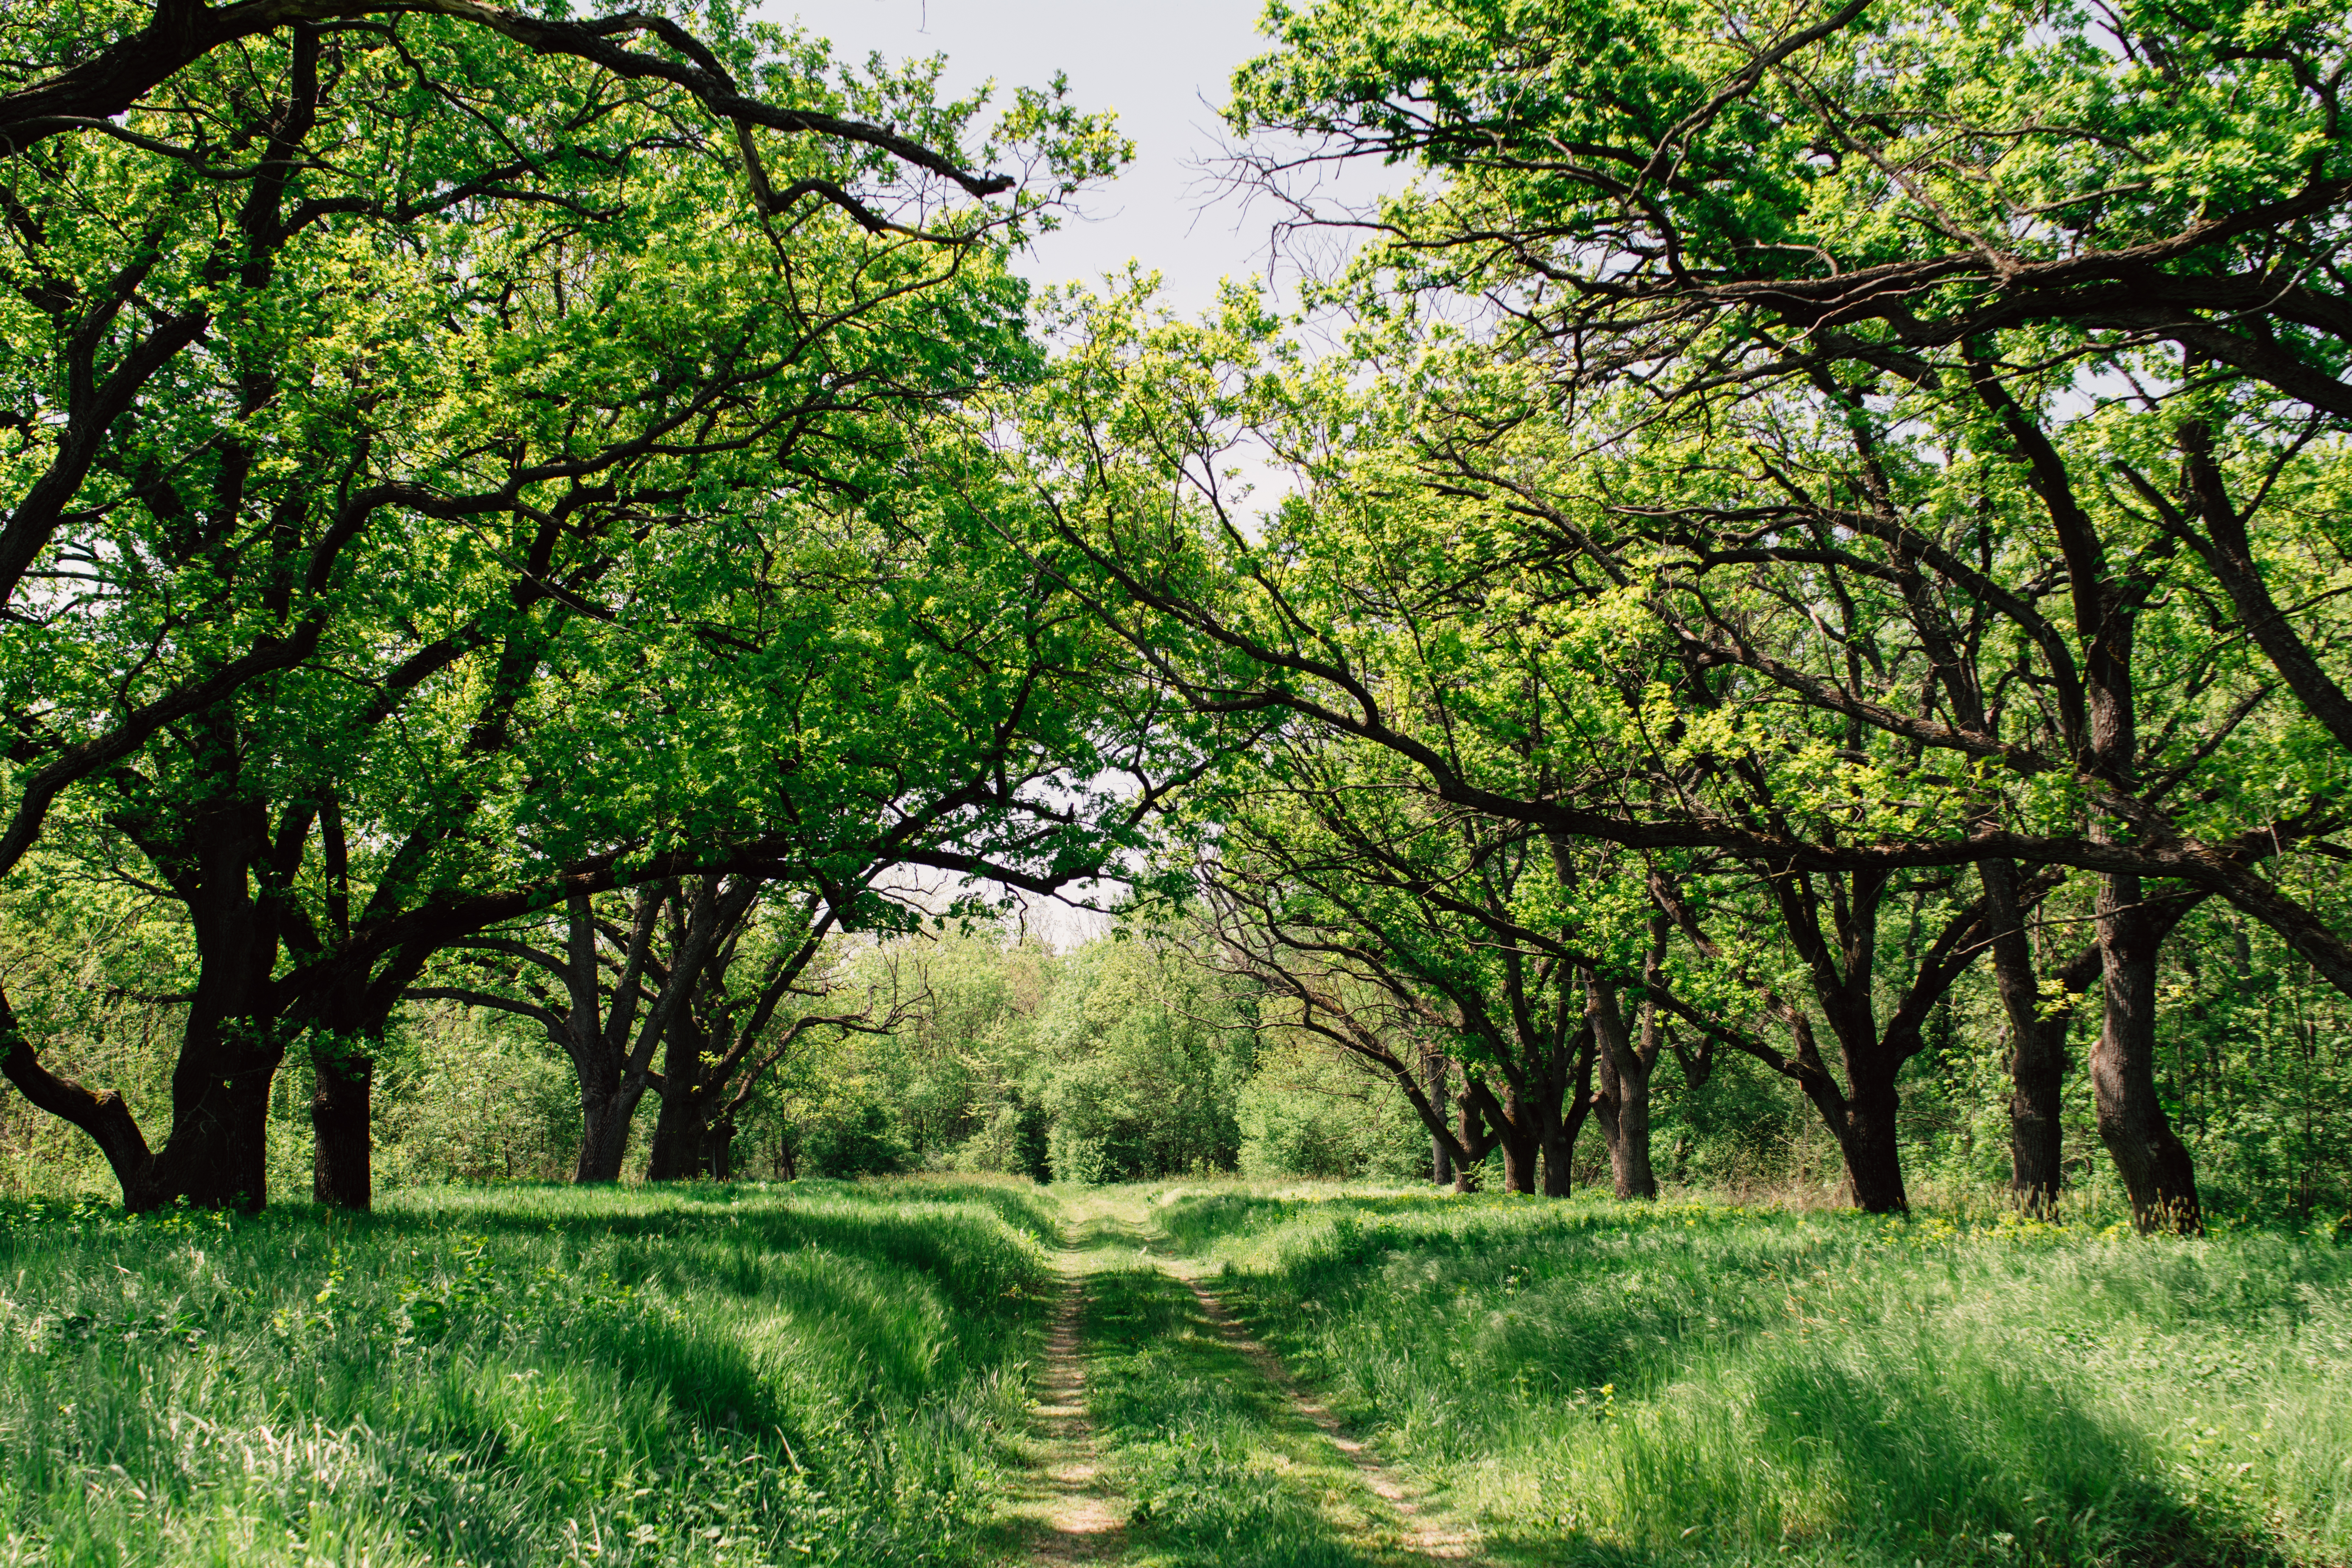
x: 860, y: 1138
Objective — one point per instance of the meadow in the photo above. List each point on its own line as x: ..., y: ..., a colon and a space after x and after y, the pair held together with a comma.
x: 1700, y: 1382
x: 702, y: 1375
x: 844, y: 1372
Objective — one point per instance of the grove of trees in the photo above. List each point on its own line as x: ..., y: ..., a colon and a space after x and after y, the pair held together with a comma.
x: 1789, y: 591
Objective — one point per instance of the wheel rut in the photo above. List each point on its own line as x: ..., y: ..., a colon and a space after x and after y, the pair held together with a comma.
x: 1081, y: 1520
x: 1422, y: 1535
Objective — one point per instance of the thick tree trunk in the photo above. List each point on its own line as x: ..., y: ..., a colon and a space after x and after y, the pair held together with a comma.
x: 1521, y: 1144
x: 218, y: 1155
x: 1874, y: 1155
x: 1624, y: 1105
x: 681, y: 1131
x: 342, y: 1159
x: 218, y: 1152
x: 2038, y: 1049
x: 605, y: 1131
x: 2155, y: 1164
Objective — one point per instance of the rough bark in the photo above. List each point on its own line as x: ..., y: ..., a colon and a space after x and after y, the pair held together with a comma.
x: 2037, y: 1048
x: 342, y: 1165
x: 1874, y: 1155
x: 1521, y: 1144
x: 1625, y: 1104
x: 680, y: 1149
x: 2154, y: 1164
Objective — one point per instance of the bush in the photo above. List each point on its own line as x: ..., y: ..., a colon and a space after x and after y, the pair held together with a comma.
x: 861, y: 1140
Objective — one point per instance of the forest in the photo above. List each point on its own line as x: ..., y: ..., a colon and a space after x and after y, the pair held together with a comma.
x: 688, y: 875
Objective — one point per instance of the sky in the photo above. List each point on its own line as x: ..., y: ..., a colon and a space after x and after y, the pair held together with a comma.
x: 1164, y: 67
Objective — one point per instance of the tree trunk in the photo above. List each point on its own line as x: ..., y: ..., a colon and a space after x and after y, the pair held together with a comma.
x: 681, y: 1131
x: 1874, y: 1155
x: 1576, y: 1104
x: 604, y: 1119
x: 2038, y: 1053
x: 1519, y: 1149
x: 1624, y: 1091
x: 342, y: 1166
x: 218, y: 1155
x: 2155, y: 1164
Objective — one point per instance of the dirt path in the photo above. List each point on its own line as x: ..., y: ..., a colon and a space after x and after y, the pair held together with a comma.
x: 1072, y: 1507
x: 1082, y: 1521
x: 1421, y: 1535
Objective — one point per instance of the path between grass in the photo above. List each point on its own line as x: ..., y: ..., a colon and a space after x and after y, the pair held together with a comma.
x: 1167, y: 1437
x: 1422, y: 1535
x: 1081, y: 1520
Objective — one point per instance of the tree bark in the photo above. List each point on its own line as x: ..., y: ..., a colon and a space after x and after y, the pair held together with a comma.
x: 1874, y: 1155
x: 343, y: 1161
x: 605, y: 1131
x: 1624, y: 1103
x: 2155, y: 1164
x: 682, y: 1131
x: 1521, y: 1143
x: 2037, y: 1048
x: 1560, y: 1148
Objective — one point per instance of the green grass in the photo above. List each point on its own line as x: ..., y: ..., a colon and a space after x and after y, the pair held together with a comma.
x: 1696, y: 1384
x: 815, y: 1374
x: 1221, y: 1474
x: 834, y: 1374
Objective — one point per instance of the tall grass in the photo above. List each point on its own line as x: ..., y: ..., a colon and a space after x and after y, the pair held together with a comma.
x: 1697, y: 1383
x: 815, y: 1374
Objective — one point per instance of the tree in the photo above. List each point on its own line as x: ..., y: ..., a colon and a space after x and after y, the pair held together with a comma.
x: 407, y: 388
x: 1424, y: 943
x: 1724, y: 213
x: 1676, y: 238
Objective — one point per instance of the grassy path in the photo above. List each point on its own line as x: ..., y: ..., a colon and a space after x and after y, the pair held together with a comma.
x: 1079, y: 1520
x: 1424, y: 1536
x: 1168, y: 1438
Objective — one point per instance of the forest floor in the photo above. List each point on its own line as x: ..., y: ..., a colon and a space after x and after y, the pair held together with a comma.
x: 950, y: 1372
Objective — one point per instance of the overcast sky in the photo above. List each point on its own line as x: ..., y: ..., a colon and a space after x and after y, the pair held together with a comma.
x: 1164, y: 68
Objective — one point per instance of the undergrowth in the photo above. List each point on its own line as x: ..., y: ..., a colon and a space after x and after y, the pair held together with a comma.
x: 1700, y: 1382
x: 818, y: 1374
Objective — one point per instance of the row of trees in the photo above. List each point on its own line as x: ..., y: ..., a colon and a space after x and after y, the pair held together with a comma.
x: 459, y: 463
x: 1809, y: 505
x: 1815, y: 501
